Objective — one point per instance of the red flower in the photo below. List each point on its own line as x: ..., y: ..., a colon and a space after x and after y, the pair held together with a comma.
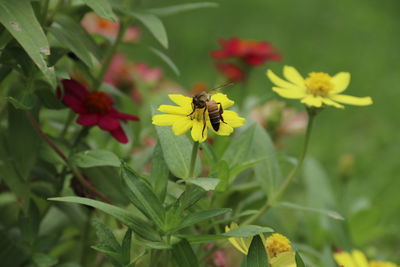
x: 231, y: 71
x: 251, y: 52
x: 94, y: 108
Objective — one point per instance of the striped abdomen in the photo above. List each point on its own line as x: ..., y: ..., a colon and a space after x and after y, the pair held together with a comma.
x: 214, y: 114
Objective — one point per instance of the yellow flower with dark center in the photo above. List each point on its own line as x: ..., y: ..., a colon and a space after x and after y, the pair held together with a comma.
x: 357, y: 259
x: 317, y: 90
x: 277, y: 246
x: 182, y: 118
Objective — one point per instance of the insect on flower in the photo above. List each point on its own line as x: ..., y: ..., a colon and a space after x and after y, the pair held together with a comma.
x: 198, y: 113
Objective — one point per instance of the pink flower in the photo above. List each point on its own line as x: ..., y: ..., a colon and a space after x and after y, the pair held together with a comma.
x: 231, y: 71
x: 146, y: 74
x: 94, y: 108
x: 251, y: 52
x: 98, y: 25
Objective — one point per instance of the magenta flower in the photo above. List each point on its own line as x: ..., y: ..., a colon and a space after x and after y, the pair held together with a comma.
x: 94, y: 108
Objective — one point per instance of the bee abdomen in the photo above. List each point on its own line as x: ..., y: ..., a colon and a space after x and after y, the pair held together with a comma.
x: 214, y: 118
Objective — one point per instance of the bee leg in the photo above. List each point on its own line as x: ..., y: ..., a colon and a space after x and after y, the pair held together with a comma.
x: 192, y: 110
x: 204, y: 122
x: 221, y: 110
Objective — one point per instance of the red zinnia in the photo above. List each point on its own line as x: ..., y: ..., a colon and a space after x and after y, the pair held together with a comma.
x: 231, y: 71
x: 95, y: 108
x: 251, y: 52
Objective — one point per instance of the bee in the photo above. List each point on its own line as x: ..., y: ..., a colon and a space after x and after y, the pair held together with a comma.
x: 203, y: 101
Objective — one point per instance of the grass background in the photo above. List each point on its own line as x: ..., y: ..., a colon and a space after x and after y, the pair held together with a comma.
x: 358, y: 36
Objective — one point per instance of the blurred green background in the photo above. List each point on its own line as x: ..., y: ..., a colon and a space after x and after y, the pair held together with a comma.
x: 358, y: 36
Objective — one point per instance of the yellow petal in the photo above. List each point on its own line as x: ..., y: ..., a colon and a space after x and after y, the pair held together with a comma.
x: 181, y: 125
x: 197, y: 133
x: 341, y: 82
x: 224, y: 129
x: 292, y: 75
x: 359, y: 258
x: 285, y: 259
x: 282, y: 83
x: 352, y: 100
x: 237, y: 243
x: 330, y: 102
x: 223, y: 99
x: 312, y: 101
x: 181, y: 100
x: 165, y: 119
x: 232, y: 118
x: 345, y: 259
x: 177, y: 110
x: 289, y: 93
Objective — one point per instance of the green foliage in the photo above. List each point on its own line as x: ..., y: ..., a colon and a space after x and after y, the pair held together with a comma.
x: 257, y: 257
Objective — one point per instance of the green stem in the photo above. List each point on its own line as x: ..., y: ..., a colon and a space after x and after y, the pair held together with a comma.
x: 70, y: 118
x: 109, y: 55
x: 271, y: 201
x: 85, y: 238
x: 188, y: 187
x: 45, y: 8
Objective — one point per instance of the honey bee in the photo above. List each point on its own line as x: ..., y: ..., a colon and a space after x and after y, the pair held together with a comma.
x: 203, y: 101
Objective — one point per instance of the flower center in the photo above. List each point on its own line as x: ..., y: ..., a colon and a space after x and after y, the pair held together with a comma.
x: 98, y: 102
x: 198, y: 114
x: 319, y: 83
x: 104, y: 24
x: 277, y: 244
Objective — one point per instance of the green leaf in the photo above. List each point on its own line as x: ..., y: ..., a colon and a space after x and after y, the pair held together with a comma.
x: 29, y: 223
x: 176, y: 9
x: 126, y: 246
x: 19, y: 19
x: 257, y: 256
x: 153, y: 24
x: 267, y: 171
x: 143, y: 197
x: 199, y: 216
x: 207, y: 184
x: 105, y: 236
x: 114, y: 255
x: 223, y: 175
x: 166, y: 59
x: 95, y: 158
x: 138, y: 226
x: 159, y: 173
x: 74, y: 37
x: 193, y: 239
x: 248, y: 230
x: 330, y: 213
x: 299, y: 260
x: 44, y: 260
x: 177, y: 152
x: 102, y: 8
x: 183, y: 254
x: 23, y: 100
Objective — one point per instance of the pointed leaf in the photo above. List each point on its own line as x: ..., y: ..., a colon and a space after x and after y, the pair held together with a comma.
x: 176, y: 9
x: 257, y: 256
x: 199, y: 216
x: 183, y: 254
x: 126, y: 246
x: 159, y: 173
x: 299, y: 260
x: 102, y: 8
x: 94, y: 158
x: 139, y: 226
x: 248, y: 230
x: 206, y: 183
x: 166, y: 59
x: 19, y: 19
x: 142, y: 196
x: 330, y: 213
x: 105, y: 236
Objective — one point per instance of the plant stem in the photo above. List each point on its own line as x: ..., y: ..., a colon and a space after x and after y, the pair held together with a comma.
x: 188, y: 187
x: 67, y: 124
x: 109, y: 55
x: 271, y: 201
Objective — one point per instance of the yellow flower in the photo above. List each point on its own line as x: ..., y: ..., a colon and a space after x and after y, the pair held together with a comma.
x: 277, y: 246
x: 182, y: 118
x: 357, y: 259
x: 317, y: 90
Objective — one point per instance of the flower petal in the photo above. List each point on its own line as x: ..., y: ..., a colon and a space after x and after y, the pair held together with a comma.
x: 74, y: 103
x: 359, y: 258
x: 224, y: 129
x: 120, y: 135
x: 126, y: 117
x: 177, y: 110
x: 108, y: 123
x: 330, y: 102
x: 165, y: 119
x: 341, y: 82
x: 344, y: 259
x: 292, y: 75
x: 285, y: 259
x: 197, y: 133
x: 88, y: 119
x: 352, y: 100
x: 74, y: 88
x: 223, y: 99
x: 181, y: 100
x: 312, y: 101
x: 181, y: 125
x: 232, y: 118
x: 289, y: 93
x: 282, y: 83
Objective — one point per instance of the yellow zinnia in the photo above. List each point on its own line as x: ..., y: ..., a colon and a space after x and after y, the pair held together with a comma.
x: 357, y: 259
x: 277, y: 246
x: 182, y: 118
x: 317, y: 90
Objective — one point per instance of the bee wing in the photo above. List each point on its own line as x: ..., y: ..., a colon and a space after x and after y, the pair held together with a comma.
x: 216, y: 89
